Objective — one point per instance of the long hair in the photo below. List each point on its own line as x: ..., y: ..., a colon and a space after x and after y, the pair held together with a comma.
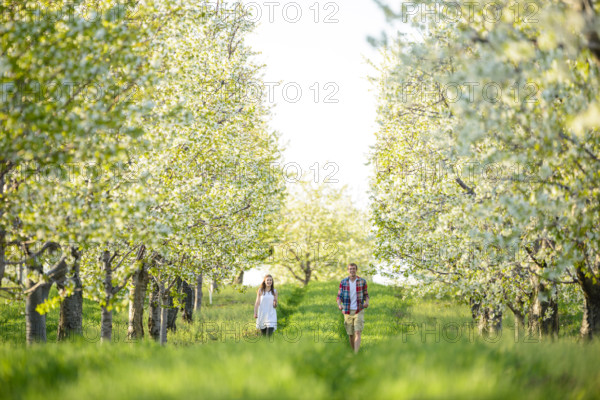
x: 263, y: 285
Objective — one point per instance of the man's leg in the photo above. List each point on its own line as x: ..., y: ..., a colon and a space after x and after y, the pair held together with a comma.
x: 356, y: 341
x: 359, y: 324
x: 349, y: 325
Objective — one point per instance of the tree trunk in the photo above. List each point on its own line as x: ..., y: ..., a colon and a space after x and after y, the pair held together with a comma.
x: 71, y: 314
x: 164, y: 313
x: 551, y: 326
x: 590, y: 325
x: 198, y: 294
x: 518, y: 314
x: 307, y: 273
x: 239, y: 279
x: 188, y: 302
x: 211, y: 288
x: 154, y: 312
x: 543, y: 303
x: 520, y: 320
x: 35, y: 322
x: 490, y: 321
x: 106, y: 325
x: 2, y: 241
x: 139, y: 281
x: 5, y: 167
x: 71, y: 307
x: 495, y: 317
x: 171, y: 313
x: 475, y: 305
x: 106, y: 319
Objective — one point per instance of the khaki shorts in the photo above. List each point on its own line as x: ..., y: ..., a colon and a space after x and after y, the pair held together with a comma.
x: 354, y: 322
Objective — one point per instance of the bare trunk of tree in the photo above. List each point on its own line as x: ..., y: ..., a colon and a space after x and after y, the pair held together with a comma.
x: 475, y: 305
x: 239, y: 279
x: 2, y: 242
x: 154, y: 312
x: 139, y: 281
x: 543, y: 304
x: 35, y: 322
x: 488, y: 320
x: 71, y: 315
x: 198, y: 294
x: 5, y: 167
x: 164, y: 313
x: 172, y: 312
x: 551, y: 326
x: 495, y: 320
x: 590, y: 325
x: 517, y: 310
x: 307, y: 277
x: 37, y: 294
x: 106, y: 325
x: 188, y: 302
x: 71, y: 307
x: 519, y: 315
x: 106, y: 319
x: 519, y: 324
x: 212, y: 287
x: 307, y: 273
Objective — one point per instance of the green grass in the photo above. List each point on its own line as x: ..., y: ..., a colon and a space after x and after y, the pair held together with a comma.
x: 412, y: 349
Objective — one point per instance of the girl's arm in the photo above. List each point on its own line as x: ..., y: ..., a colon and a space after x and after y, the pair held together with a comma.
x: 276, y: 297
x: 256, y: 304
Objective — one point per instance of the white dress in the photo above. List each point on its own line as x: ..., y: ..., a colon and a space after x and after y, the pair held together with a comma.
x: 267, y: 314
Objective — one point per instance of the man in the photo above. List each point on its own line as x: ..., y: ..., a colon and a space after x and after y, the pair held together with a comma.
x: 352, y: 299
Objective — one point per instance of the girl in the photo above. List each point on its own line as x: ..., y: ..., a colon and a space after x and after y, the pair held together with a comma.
x: 264, y: 307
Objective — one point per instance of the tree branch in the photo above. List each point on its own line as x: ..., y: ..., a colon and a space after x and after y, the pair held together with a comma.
x: 46, y: 246
x: 293, y: 273
x: 122, y: 259
x: 463, y: 185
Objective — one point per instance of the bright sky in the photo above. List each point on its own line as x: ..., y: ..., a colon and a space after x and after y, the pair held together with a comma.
x: 322, y: 54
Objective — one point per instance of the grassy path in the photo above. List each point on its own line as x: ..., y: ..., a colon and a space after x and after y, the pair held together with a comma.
x: 319, y: 320
x: 412, y: 349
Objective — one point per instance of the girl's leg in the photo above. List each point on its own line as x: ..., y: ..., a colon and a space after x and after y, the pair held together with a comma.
x: 270, y: 331
x: 263, y: 331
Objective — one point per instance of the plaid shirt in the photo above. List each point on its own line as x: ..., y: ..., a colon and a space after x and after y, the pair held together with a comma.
x: 361, y: 294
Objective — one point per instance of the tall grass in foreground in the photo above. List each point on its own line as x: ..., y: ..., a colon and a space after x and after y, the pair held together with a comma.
x: 412, y: 349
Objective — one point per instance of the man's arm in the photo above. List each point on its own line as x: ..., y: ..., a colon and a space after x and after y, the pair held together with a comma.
x: 339, y: 297
x: 365, y: 295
